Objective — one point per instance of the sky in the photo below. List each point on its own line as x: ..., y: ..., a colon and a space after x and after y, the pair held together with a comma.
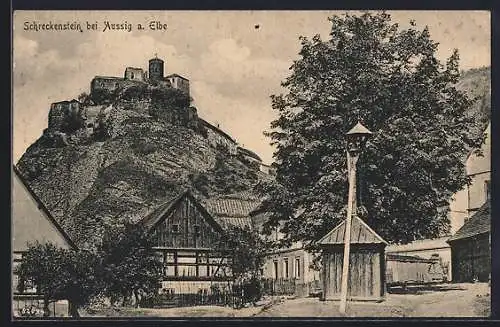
x: 233, y: 67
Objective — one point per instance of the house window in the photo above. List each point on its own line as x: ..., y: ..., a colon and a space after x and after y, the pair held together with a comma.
x: 487, y: 190
x: 175, y: 228
x: 297, y: 267
x: 275, y: 263
x: 285, y: 269
x: 196, y: 229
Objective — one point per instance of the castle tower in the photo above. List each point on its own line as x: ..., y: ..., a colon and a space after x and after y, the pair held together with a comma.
x: 155, y: 69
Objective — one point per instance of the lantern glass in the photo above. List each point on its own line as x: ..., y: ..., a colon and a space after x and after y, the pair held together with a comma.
x: 356, y: 138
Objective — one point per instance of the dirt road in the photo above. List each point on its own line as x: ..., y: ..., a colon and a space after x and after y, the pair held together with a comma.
x: 452, y: 300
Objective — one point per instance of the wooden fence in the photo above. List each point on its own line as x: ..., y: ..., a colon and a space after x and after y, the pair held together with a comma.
x: 289, y: 287
x: 186, y: 295
x: 403, y: 269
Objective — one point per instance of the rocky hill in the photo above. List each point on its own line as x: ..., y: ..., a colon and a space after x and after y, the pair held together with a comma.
x: 477, y: 83
x: 143, y: 161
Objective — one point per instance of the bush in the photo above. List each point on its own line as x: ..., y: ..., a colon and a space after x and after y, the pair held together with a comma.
x: 143, y: 147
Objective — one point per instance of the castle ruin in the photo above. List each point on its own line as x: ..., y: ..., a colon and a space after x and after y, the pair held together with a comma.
x: 134, y: 75
x: 88, y: 112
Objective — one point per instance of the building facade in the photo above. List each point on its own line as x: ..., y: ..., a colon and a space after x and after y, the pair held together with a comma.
x: 186, y: 239
x: 467, y: 201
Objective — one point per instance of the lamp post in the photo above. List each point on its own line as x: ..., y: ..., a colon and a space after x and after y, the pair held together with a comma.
x: 356, y: 139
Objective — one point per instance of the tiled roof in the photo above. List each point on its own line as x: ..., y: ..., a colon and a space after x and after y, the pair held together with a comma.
x: 361, y: 233
x: 479, y: 223
x: 232, y: 211
x: 230, y: 207
x: 419, y: 245
x: 226, y: 222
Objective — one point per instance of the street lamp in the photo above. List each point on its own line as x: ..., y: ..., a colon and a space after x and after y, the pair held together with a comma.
x: 356, y: 139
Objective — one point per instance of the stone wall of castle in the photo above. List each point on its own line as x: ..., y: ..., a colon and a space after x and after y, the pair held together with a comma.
x: 111, y: 83
x: 216, y: 137
x: 179, y: 82
x: 59, y: 111
x: 136, y: 74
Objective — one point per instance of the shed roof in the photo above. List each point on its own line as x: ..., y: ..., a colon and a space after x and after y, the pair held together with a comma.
x: 479, y: 223
x: 361, y: 233
x: 359, y: 129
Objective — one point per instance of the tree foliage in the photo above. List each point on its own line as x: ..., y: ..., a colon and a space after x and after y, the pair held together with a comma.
x: 246, y: 250
x: 128, y: 263
x: 60, y: 274
x: 388, y: 78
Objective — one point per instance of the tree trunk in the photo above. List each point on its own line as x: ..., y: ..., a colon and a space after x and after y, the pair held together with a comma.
x: 73, y: 310
x: 46, y: 311
x: 136, y: 295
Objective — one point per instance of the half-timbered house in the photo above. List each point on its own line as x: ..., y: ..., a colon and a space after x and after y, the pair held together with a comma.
x: 187, y: 240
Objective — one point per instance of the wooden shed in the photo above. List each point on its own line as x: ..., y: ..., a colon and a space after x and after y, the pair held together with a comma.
x: 366, y: 263
x: 471, y: 248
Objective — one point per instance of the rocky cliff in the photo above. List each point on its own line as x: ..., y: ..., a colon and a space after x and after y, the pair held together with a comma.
x: 142, y: 162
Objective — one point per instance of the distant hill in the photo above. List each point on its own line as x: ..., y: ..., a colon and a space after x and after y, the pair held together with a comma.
x: 477, y: 83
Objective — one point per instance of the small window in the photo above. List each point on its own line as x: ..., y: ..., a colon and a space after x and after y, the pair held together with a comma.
x: 297, y: 267
x: 285, y: 268
x: 175, y: 228
x: 275, y: 263
x: 196, y: 229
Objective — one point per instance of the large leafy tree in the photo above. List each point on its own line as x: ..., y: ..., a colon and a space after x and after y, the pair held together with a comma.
x: 60, y: 274
x: 389, y: 78
x: 129, y: 266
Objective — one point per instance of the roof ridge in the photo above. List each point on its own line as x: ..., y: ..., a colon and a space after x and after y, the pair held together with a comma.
x: 44, y: 208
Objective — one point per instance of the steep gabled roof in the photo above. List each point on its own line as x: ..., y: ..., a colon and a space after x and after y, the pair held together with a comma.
x: 361, y: 233
x: 479, y: 223
x: 163, y: 211
x: 28, y: 226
